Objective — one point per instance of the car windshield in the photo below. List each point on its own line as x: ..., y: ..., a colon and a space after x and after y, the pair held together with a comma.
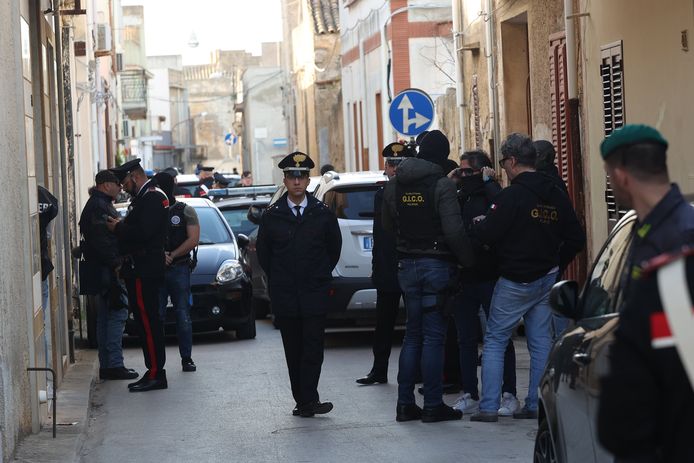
x: 353, y: 203
x: 238, y: 221
x: 212, y: 227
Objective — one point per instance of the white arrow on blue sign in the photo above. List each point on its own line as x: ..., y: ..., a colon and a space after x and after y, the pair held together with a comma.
x: 411, y: 112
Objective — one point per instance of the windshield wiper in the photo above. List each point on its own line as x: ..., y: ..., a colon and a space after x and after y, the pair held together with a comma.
x: 206, y: 242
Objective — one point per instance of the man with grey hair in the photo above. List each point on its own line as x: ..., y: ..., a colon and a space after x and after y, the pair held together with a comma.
x: 535, y: 232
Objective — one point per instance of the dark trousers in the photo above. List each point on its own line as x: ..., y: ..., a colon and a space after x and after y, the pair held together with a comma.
x: 143, y: 298
x: 470, y: 298
x: 303, y: 349
x: 387, y: 305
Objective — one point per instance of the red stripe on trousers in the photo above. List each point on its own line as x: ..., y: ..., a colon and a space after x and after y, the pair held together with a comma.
x: 660, y: 328
x: 148, y: 329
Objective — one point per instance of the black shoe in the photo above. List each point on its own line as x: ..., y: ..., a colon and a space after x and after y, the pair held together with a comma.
x: 525, y: 414
x: 409, y: 412
x: 139, y: 381
x: 315, y: 408
x: 188, y: 364
x: 117, y: 373
x: 441, y: 413
x: 296, y: 411
x: 373, y: 377
x: 145, y: 377
x: 150, y: 385
x: 485, y: 417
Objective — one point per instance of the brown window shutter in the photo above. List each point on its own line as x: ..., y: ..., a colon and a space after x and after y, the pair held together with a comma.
x: 612, y: 74
x: 559, y: 102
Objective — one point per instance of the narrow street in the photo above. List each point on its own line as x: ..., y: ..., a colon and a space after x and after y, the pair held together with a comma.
x: 237, y: 407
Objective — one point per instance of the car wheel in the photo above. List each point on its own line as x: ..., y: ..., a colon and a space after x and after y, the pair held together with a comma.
x: 247, y: 330
x: 544, y: 445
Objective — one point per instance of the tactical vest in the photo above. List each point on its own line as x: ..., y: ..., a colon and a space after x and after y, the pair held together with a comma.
x: 177, y: 230
x: 419, y: 225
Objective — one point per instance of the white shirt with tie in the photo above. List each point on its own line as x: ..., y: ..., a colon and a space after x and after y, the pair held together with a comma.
x: 302, y: 205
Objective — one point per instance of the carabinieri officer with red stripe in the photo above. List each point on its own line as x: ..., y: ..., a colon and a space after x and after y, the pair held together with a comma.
x: 141, y: 236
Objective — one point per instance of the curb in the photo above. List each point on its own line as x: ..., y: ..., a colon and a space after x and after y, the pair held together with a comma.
x: 72, y: 416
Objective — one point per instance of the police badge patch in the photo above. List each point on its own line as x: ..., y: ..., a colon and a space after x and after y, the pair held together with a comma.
x: 175, y: 220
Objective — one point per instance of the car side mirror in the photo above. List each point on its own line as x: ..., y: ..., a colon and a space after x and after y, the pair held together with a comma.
x: 242, y: 240
x: 254, y: 214
x: 563, y: 298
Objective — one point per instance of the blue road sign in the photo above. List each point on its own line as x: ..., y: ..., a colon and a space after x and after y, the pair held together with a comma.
x: 411, y: 112
x: 230, y: 139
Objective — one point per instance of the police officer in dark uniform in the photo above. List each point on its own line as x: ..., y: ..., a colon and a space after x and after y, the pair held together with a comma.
x: 298, y: 246
x: 206, y: 180
x: 183, y: 235
x: 141, y: 236
x: 421, y: 209
x: 646, y: 400
x: 636, y: 160
x: 384, y: 273
x: 102, y: 261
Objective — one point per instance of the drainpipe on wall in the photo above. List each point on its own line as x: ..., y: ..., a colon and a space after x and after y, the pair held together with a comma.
x: 459, y: 69
x: 68, y: 173
x: 491, y: 76
x: 364, y: 107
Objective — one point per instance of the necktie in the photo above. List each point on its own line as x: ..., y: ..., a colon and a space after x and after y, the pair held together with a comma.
x: 298, y: 211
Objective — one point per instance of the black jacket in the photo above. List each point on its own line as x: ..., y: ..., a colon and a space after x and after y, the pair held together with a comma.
x: 533, y: 228
x: 384, y: 255
x: 646, y: 402
x: 413, y: 171
x: 143, y: 232
x: 298, y: 256
x: 475, y: 203
x: 99, y: 246
x: 668, y: 227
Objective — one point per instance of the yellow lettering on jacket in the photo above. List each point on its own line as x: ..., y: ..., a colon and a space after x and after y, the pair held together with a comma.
x: 412, y: 199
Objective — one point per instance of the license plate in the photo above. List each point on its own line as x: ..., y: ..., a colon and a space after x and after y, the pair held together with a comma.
x: 368, y: 242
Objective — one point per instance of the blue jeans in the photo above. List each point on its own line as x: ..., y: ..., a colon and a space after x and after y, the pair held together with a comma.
x: 110, y: 322
x: 510, y: 302
x: 177, y: 286
x: 472, y: 296
x: 421, y: 280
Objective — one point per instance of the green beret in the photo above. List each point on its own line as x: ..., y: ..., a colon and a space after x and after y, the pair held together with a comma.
x: 630, y: 134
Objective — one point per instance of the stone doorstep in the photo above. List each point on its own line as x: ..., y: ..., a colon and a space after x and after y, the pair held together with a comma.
x: 72, y: 409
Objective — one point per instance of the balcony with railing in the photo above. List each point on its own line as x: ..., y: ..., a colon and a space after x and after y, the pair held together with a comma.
x: 134, y: 88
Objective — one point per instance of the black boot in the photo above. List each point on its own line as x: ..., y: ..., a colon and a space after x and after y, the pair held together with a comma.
x: 409, y: 412
x: 440, y: 413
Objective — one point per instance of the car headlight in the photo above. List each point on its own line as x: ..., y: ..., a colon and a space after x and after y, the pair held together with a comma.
x: 230, y: 270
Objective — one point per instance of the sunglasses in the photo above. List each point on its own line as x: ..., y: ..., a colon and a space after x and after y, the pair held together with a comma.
x: 467, y: 172
x: 502, y: 161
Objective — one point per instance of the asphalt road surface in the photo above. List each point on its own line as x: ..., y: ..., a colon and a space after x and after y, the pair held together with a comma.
x: 237, y: 408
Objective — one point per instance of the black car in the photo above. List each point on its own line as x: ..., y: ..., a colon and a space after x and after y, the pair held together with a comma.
x: 570, y: 386
x: 220, y: 284
x: 242, y: 208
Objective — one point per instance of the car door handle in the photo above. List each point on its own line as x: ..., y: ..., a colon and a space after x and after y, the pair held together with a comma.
x: 582, y: 358
x: 362, y: 232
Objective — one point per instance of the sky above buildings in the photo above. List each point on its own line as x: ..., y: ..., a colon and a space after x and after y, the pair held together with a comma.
x: 217, y: 24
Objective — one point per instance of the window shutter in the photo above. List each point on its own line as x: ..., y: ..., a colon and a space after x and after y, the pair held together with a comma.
x: 559, y: 96
x: 612, y: 74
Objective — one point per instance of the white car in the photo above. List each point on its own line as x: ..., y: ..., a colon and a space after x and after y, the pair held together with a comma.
x: 350, y: 196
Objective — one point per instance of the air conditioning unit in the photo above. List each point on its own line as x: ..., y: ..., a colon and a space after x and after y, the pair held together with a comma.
x: 103, y: 38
